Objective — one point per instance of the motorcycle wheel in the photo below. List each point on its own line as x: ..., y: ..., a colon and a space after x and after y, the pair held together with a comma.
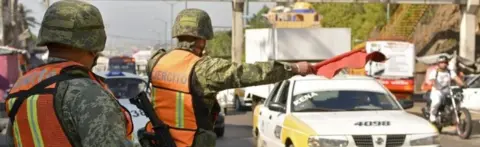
x: 425, y: 112
x: 439, y: 127
x: 426, y: 115
x: 465, y: 126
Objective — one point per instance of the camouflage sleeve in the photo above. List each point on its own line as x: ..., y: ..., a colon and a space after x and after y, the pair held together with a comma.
x: 153, y: 59
x: 216, y: 74
x: 96, y: 115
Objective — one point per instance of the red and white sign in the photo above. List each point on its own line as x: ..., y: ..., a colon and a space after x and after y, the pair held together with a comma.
x: 400, y: 59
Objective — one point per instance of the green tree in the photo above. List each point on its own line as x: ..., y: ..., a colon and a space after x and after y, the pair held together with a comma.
x: 220, y: 45
x: 361, y: 18
x: 258, y: 20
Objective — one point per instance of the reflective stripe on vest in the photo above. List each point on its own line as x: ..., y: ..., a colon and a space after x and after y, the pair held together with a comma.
x: 35, y: 122
x: 172, y: 98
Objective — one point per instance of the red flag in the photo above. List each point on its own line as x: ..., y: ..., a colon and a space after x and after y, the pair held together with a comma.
x: 353, y: 59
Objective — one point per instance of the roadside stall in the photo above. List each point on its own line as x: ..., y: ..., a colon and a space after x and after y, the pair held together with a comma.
x: 13, y: 65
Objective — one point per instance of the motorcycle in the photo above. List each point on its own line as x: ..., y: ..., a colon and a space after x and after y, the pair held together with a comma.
x: 450, y: 112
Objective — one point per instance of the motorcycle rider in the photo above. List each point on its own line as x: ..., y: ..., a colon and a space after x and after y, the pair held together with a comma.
x: 441, y: 80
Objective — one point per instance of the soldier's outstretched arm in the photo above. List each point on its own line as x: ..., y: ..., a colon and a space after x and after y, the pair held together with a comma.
x: 98, y: 118
x: 217, y: 74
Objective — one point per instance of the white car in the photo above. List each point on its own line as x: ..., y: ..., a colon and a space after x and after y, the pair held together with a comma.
x: 226, y: 98
x: 124, y: 86
x: 471, y: 94
x: 345, y: 111
x: 234, y: 98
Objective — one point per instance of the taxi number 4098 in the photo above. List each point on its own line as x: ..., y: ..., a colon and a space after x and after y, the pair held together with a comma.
x: 372, y: 123
x: 137, y: 113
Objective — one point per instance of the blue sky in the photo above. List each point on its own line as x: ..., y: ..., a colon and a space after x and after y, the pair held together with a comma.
x: 145, y: 19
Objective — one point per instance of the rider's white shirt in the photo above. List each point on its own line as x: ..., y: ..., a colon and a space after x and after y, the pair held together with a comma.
x: 443, y: 80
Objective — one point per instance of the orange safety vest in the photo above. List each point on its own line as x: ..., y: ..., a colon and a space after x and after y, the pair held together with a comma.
x: 173, y: 100
x: 30, y: 106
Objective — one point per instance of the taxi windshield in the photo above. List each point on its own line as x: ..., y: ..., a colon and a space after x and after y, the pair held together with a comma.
x: 342, y: 100
x: 123, y: 67
x: 122, y: 64
x: 125, y: 88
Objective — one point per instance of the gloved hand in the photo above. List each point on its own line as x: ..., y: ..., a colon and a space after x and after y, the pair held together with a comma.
x: 302, y: 68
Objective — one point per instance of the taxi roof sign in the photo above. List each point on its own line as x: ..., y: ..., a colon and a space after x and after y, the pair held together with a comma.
x: 115, y: 73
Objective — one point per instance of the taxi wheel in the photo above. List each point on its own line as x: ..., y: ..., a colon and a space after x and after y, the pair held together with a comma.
x: 289, y: 143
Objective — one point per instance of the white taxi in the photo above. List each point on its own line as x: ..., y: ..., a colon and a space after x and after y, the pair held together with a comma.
x: 345, y: 111
x: 124, y: 86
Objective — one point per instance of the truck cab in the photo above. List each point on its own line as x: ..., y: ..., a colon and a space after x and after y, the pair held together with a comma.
x: 296, y: 35
x: 397, y: 73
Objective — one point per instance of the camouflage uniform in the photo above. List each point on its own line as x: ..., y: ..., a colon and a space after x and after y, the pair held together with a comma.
x: 212, y: 75
x: 89, y: 114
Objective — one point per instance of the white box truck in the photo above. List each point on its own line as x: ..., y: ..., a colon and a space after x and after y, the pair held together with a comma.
x: 290, y: 45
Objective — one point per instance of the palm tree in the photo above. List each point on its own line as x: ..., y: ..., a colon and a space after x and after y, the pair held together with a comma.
x: 16, y: 24
x: 258, y: 20
x: 30, y: 20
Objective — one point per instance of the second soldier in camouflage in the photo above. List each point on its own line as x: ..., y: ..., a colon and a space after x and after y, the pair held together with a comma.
x: 210, y: 75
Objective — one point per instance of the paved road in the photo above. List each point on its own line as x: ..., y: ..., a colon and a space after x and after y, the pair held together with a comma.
x: 238, y: 132
x: 448, y: 138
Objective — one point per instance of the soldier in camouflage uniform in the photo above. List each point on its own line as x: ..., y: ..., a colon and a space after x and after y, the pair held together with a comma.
x: 88, y: 114
x: 210, y: 75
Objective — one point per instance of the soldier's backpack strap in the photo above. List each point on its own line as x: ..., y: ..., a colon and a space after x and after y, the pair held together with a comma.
x: 448, y: 72
x: 154, y: 64
x: 41, y: 88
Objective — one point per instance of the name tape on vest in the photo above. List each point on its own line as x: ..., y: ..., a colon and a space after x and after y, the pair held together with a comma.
x: 170, y: 77
x: 28, y: 79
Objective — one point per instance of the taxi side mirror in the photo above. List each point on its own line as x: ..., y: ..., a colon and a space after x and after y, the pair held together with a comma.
x: 406, y: 103
x: 277, y: 107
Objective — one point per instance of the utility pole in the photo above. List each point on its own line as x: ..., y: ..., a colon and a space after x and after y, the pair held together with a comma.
x: 171, y: 23
x: 388, y: 12
x: 165, y: 32
x: 237, y: 30
x: 1, y: 24
x: 186, y: 2
x: 47, y: 3
x: 171, y: 17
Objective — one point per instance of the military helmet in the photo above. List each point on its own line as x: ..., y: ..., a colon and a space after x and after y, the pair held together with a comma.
x: 74, y: 23
x: 442, y: 59
x: 193, y: 22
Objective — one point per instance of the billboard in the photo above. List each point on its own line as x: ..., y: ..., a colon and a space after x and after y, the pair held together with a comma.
x: 296, y: 44
x: 400, y: 55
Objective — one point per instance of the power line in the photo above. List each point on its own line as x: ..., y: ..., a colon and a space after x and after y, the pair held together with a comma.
x: 132, y: 38
x: 169, y: 0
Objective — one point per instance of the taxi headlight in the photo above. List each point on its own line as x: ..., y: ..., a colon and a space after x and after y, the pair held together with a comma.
x: 424, y: 141
x: 322, y: 141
